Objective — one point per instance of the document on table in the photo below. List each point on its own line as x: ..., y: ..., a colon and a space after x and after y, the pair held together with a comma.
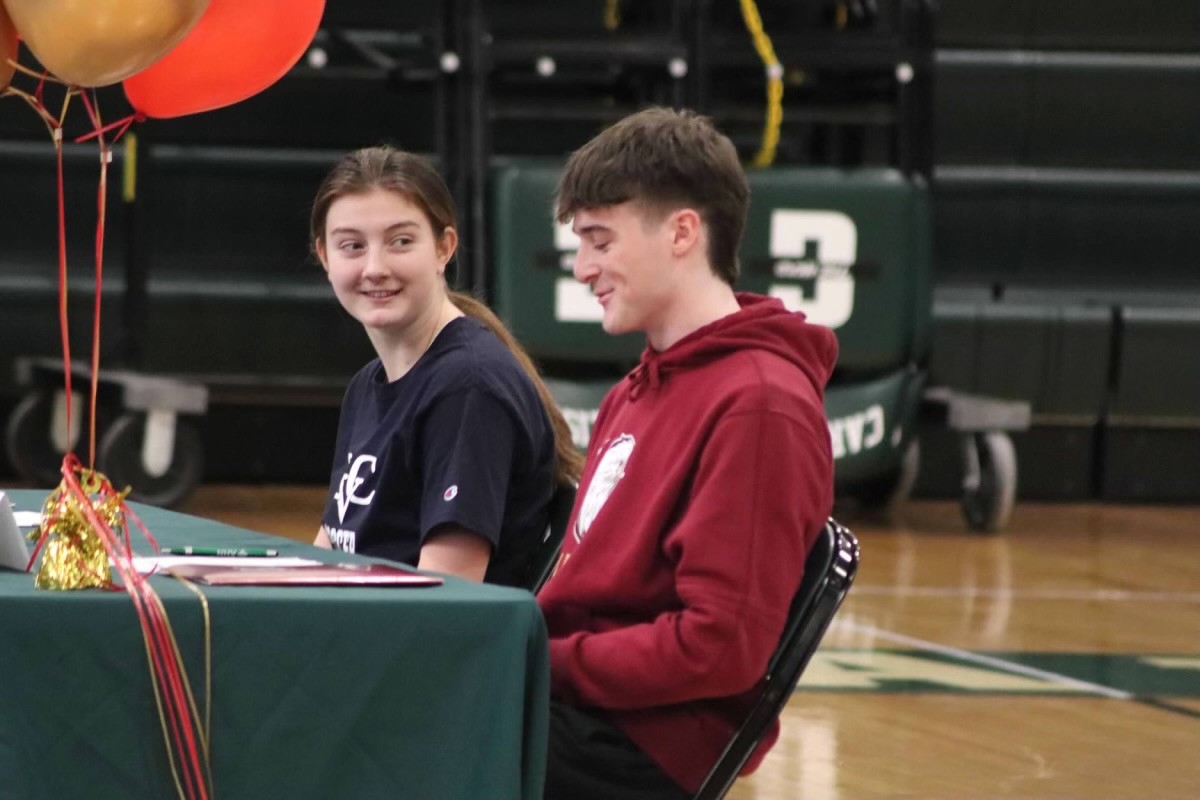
x: 28, y: 519
x: 311, y: 574
x: 147, y: 564
x: 14, y: 551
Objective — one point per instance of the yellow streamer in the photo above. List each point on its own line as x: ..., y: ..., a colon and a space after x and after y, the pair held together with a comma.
x: 774, y: 116
x: 612, y: 14
x: 843, y: 17
x: 129, y: 184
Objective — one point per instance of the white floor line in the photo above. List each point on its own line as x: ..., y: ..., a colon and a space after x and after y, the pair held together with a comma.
x: 1113, y: 595
x: 987, y: 661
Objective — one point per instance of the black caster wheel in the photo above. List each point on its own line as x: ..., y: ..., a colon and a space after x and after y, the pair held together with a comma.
x: 120, y: 456
x: 29, y: 443
x: 989, y: 480
x: 885, y: 494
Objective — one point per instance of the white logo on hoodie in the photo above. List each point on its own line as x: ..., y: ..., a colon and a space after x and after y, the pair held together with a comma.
x: 604, y: 480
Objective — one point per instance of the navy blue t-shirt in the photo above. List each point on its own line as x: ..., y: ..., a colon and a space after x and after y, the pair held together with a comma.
x: 462, y: 438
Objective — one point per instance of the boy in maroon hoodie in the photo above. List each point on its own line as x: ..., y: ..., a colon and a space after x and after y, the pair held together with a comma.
x: 708, y: 476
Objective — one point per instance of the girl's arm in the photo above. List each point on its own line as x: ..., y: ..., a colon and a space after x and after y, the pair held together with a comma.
x: 456, y: 551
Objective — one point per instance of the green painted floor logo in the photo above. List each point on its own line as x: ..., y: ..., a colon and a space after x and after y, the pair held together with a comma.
x: 904, y: 671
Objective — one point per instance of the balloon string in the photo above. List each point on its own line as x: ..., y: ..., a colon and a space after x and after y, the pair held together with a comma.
x: 183, y: 731
x: 185, y: 735
x: 55, y: 127
x: 100, y: 213
x: 64, y: 330
x: 206, y: 740
x: 93, y: 112
x: 33, y: 103
x: 121, y: 126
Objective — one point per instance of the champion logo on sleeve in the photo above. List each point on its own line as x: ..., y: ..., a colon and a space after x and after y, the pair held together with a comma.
x: 450, y: 493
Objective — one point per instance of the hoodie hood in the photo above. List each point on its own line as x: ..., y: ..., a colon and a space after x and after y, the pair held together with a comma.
x: 762, y: 324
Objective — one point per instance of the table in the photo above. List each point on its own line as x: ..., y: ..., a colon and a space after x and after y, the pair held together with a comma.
x: 317, y: 692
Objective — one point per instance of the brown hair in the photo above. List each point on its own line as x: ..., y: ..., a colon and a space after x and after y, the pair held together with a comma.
x: 664, y: 159
x: 415, y: 178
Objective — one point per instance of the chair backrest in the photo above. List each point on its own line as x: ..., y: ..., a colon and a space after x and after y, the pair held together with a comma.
x: 828, y: 573
x: 544, y: 558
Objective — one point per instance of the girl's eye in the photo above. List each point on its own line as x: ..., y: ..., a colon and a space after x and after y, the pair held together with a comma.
x: 401, y: 241
x: 349, y: 246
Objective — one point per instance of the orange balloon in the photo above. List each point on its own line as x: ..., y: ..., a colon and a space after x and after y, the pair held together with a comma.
x: 98, y: 42
x: 8, y: 47
x: 238, y: 48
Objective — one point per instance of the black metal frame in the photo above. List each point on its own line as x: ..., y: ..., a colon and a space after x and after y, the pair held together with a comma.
x: 894, y: 45
x: 394, y: 57
x: 456, y: 47
x: 828, y: 573
x: 546, y: 556
x: 487, y: 54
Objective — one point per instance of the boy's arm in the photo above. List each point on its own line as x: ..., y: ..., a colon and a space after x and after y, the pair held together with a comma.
x: 762, y: 491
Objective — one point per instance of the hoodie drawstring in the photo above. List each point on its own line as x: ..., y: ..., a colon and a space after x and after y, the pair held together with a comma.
x: 644, y: 375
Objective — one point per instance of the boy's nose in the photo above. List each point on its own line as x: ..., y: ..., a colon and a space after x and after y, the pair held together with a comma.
x: 584, y: 269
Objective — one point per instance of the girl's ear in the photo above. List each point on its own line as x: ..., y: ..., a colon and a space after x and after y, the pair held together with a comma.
x: 446, y: 247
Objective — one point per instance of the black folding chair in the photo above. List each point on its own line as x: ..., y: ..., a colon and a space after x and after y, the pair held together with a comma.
x: 828, y: 573
x: 546, y: 555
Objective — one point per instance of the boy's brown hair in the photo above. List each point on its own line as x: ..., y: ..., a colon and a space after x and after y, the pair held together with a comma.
x: 664, y: 160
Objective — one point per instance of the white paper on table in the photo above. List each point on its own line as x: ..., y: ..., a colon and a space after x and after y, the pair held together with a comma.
x: 147, y: 564
x: 28, y: 519
x: 14, y: 550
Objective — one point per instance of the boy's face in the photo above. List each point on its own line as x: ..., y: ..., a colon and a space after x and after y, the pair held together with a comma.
x: 625, y: 257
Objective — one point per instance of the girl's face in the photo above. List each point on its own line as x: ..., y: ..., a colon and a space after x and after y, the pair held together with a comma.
x: 384, y: 260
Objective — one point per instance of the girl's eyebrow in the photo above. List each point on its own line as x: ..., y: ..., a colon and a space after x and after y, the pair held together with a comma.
x: 394, y: 226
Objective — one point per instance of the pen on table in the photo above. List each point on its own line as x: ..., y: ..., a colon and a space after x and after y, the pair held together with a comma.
x: 218, y: 551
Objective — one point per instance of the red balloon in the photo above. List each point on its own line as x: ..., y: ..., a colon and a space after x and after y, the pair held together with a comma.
x: 237, y: 49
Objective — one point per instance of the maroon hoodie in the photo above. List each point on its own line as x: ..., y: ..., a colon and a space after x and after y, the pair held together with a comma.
x: 708, y: 477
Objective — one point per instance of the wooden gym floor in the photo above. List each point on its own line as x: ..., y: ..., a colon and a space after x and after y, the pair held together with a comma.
x: 1058, y: 660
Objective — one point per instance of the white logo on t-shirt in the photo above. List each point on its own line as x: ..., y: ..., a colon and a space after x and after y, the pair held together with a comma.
x: 450, y: 493
x: 604, y: 480
x: 350, y: 483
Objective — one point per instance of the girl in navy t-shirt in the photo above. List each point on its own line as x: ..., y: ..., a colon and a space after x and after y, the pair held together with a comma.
x: 449, y: 445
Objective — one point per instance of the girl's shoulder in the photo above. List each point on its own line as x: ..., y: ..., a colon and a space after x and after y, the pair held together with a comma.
x: 475, y: 359
x: 370, y: 373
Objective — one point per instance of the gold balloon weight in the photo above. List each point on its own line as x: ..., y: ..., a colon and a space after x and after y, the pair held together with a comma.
x: 74, y: 551
x: 83, y: 539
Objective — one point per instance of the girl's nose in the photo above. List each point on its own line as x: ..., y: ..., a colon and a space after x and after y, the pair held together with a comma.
x: 374, y: 266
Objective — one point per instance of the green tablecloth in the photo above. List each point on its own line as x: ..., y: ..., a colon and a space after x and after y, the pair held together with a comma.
x: 317, y: 692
